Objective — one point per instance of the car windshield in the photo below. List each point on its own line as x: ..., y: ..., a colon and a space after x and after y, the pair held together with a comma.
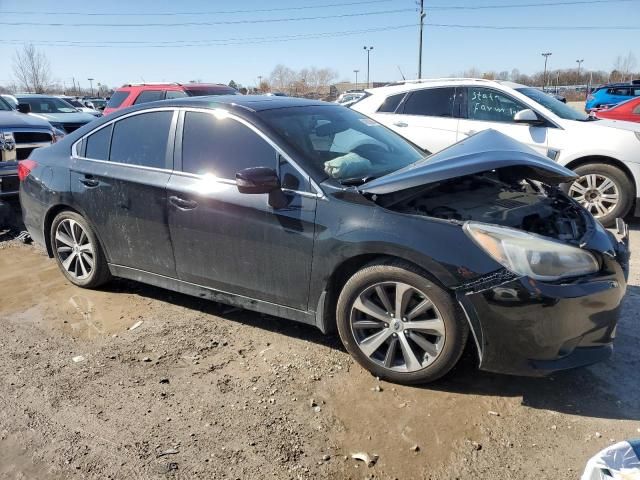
x: 342, y: 143
x: 4, y: 106
x: 73, y: 102
x: 556, y: 106
x: 48, y: 105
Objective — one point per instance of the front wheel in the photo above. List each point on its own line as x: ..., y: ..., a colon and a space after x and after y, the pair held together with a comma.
x: 604, y: 190
x: 399, y: 325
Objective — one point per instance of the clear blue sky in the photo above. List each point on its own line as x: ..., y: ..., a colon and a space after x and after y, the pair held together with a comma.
x: 447, y: 50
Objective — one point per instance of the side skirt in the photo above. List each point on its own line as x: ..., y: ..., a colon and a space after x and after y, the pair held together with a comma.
x: 214, y: 295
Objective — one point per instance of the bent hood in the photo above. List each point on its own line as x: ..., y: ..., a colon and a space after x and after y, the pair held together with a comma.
x: 75, y: 117
x: 11, y: 120
x: 485, y: 151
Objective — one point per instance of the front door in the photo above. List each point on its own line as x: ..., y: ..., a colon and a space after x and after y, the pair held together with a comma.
x: 119, y: 179
x: 239, y: 243
x: 489, y: 108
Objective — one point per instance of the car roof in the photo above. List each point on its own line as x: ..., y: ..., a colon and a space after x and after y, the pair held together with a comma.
x: 409, y: 85
x: 35, y: 95
x: 252, y: 103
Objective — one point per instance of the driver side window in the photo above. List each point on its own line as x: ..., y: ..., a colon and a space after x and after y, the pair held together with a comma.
x: 491, y: 106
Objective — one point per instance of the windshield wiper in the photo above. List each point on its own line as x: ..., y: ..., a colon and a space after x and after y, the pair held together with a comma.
x: 350, y: 182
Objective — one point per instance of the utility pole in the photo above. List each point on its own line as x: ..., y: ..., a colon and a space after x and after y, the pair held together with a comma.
x: 546, y: 55
x: 368, y: 50
x: 259, y: 82
x: 579, y: 62
x: 422, y: 15
x: 91, y: 83
x: 356, y: 72
x: 73, y: 79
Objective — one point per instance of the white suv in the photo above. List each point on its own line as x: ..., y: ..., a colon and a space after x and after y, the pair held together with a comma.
x: 436, y: 113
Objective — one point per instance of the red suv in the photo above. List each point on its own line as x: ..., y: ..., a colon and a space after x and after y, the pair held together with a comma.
x: 135, y: 93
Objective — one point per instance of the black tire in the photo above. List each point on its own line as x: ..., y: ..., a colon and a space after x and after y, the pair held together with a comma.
x: 456, y: 328
x: 626, y: 190
x: 99, y: 273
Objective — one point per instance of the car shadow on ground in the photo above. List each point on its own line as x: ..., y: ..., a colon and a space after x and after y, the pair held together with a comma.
x: 607, y: 390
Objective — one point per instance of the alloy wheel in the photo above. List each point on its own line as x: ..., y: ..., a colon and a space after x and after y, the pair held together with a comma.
x: 74, y: 249
x: 397, y: 326
x: 597, y: 193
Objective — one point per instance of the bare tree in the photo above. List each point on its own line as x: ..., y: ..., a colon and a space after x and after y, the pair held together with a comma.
x: 281, y: 78
x: 624, y: 66
x: 31, y: 69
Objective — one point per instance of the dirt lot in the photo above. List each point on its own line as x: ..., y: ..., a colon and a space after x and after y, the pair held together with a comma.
x: 199, y: 390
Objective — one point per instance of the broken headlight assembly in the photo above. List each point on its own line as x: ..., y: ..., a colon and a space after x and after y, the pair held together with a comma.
x: 531, y: 255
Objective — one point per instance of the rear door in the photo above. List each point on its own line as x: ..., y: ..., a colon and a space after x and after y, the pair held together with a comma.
x: 233, y: 242
x: 428, y: 118
x: 490, y: 108
x: 119, y: 178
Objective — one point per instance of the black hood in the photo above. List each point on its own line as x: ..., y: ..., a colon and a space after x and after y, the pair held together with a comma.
x: 13, y: 119
x: 483, y: 152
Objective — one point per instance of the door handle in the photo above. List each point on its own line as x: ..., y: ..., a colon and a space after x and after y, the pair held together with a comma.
x: 183, y: 204
x: 89, y: 181
x: 401, y: 124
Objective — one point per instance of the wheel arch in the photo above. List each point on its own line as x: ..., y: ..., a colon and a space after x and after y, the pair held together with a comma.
x: 578, y: 162
x: 48, y: 220
x: 325, y: 311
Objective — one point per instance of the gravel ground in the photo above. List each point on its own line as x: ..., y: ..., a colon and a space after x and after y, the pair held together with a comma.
x: 132, y: 381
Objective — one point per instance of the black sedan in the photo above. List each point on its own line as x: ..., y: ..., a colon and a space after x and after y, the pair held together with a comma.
x: 313, y: 212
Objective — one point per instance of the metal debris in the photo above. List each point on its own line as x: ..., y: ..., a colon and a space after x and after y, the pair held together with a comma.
x: 369, y: 460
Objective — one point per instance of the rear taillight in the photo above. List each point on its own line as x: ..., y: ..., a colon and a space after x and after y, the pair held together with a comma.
x: 25, y: 167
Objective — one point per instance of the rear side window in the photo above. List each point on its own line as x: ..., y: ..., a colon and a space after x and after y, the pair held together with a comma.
x: 142, y: 139
x: 117, y: 98
x: 620, y: 91
x: 98, y: 144
x: 432, y: 102
x: 391, y: 103
x: 222, y: 147
x: 149, y: 96
x: 175, y: 94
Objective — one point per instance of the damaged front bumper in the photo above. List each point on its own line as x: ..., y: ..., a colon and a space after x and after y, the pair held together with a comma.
x: 526, y: 327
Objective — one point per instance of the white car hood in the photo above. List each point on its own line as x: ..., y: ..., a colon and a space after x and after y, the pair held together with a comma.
x: 620, y: 124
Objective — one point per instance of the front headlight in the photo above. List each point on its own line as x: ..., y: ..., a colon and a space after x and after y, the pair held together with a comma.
x: 531, y: 255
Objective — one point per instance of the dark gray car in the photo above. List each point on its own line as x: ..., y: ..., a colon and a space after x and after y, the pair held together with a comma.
x: 313, y: 212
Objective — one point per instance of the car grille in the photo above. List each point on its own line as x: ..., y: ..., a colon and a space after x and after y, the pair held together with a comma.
x: 71, y: 127
x: 31, y: 137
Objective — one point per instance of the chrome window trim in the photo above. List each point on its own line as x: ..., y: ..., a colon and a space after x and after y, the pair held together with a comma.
x: 228, y: 181
x: 74, y: 148
x: 274, y: 145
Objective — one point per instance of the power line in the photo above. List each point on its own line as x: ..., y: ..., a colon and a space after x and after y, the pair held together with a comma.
x: 525, y: 5
x: 206, y: 24
x: 209, y: 12
x: 203, y: 43
x: 530, y: 27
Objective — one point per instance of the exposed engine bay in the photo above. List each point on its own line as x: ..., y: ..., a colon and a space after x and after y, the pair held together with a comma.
x: 494, y: 198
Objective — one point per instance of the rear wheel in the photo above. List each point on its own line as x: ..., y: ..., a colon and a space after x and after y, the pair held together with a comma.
x: 604, y: 190
x: 399, y: 325
x: 77, y: 251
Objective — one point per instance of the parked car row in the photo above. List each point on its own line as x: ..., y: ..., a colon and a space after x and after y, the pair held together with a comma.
x: 612, y: 94
x: 317, y: 213
x: 435, y: 114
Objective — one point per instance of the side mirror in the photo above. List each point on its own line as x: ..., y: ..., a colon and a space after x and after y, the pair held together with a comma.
x: 527, y: 116
x: 257, y: 180
x: 24, y: 108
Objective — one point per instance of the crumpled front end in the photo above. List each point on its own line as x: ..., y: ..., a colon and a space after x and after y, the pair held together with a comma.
x: 527, y: 327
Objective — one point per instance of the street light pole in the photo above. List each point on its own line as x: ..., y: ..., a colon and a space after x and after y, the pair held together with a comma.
x: 91, y: 83
x: 422, y: 15
x: 546, y: 55
x: 368, y: 50
x: 579, y: 62
x: 356, y: 72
